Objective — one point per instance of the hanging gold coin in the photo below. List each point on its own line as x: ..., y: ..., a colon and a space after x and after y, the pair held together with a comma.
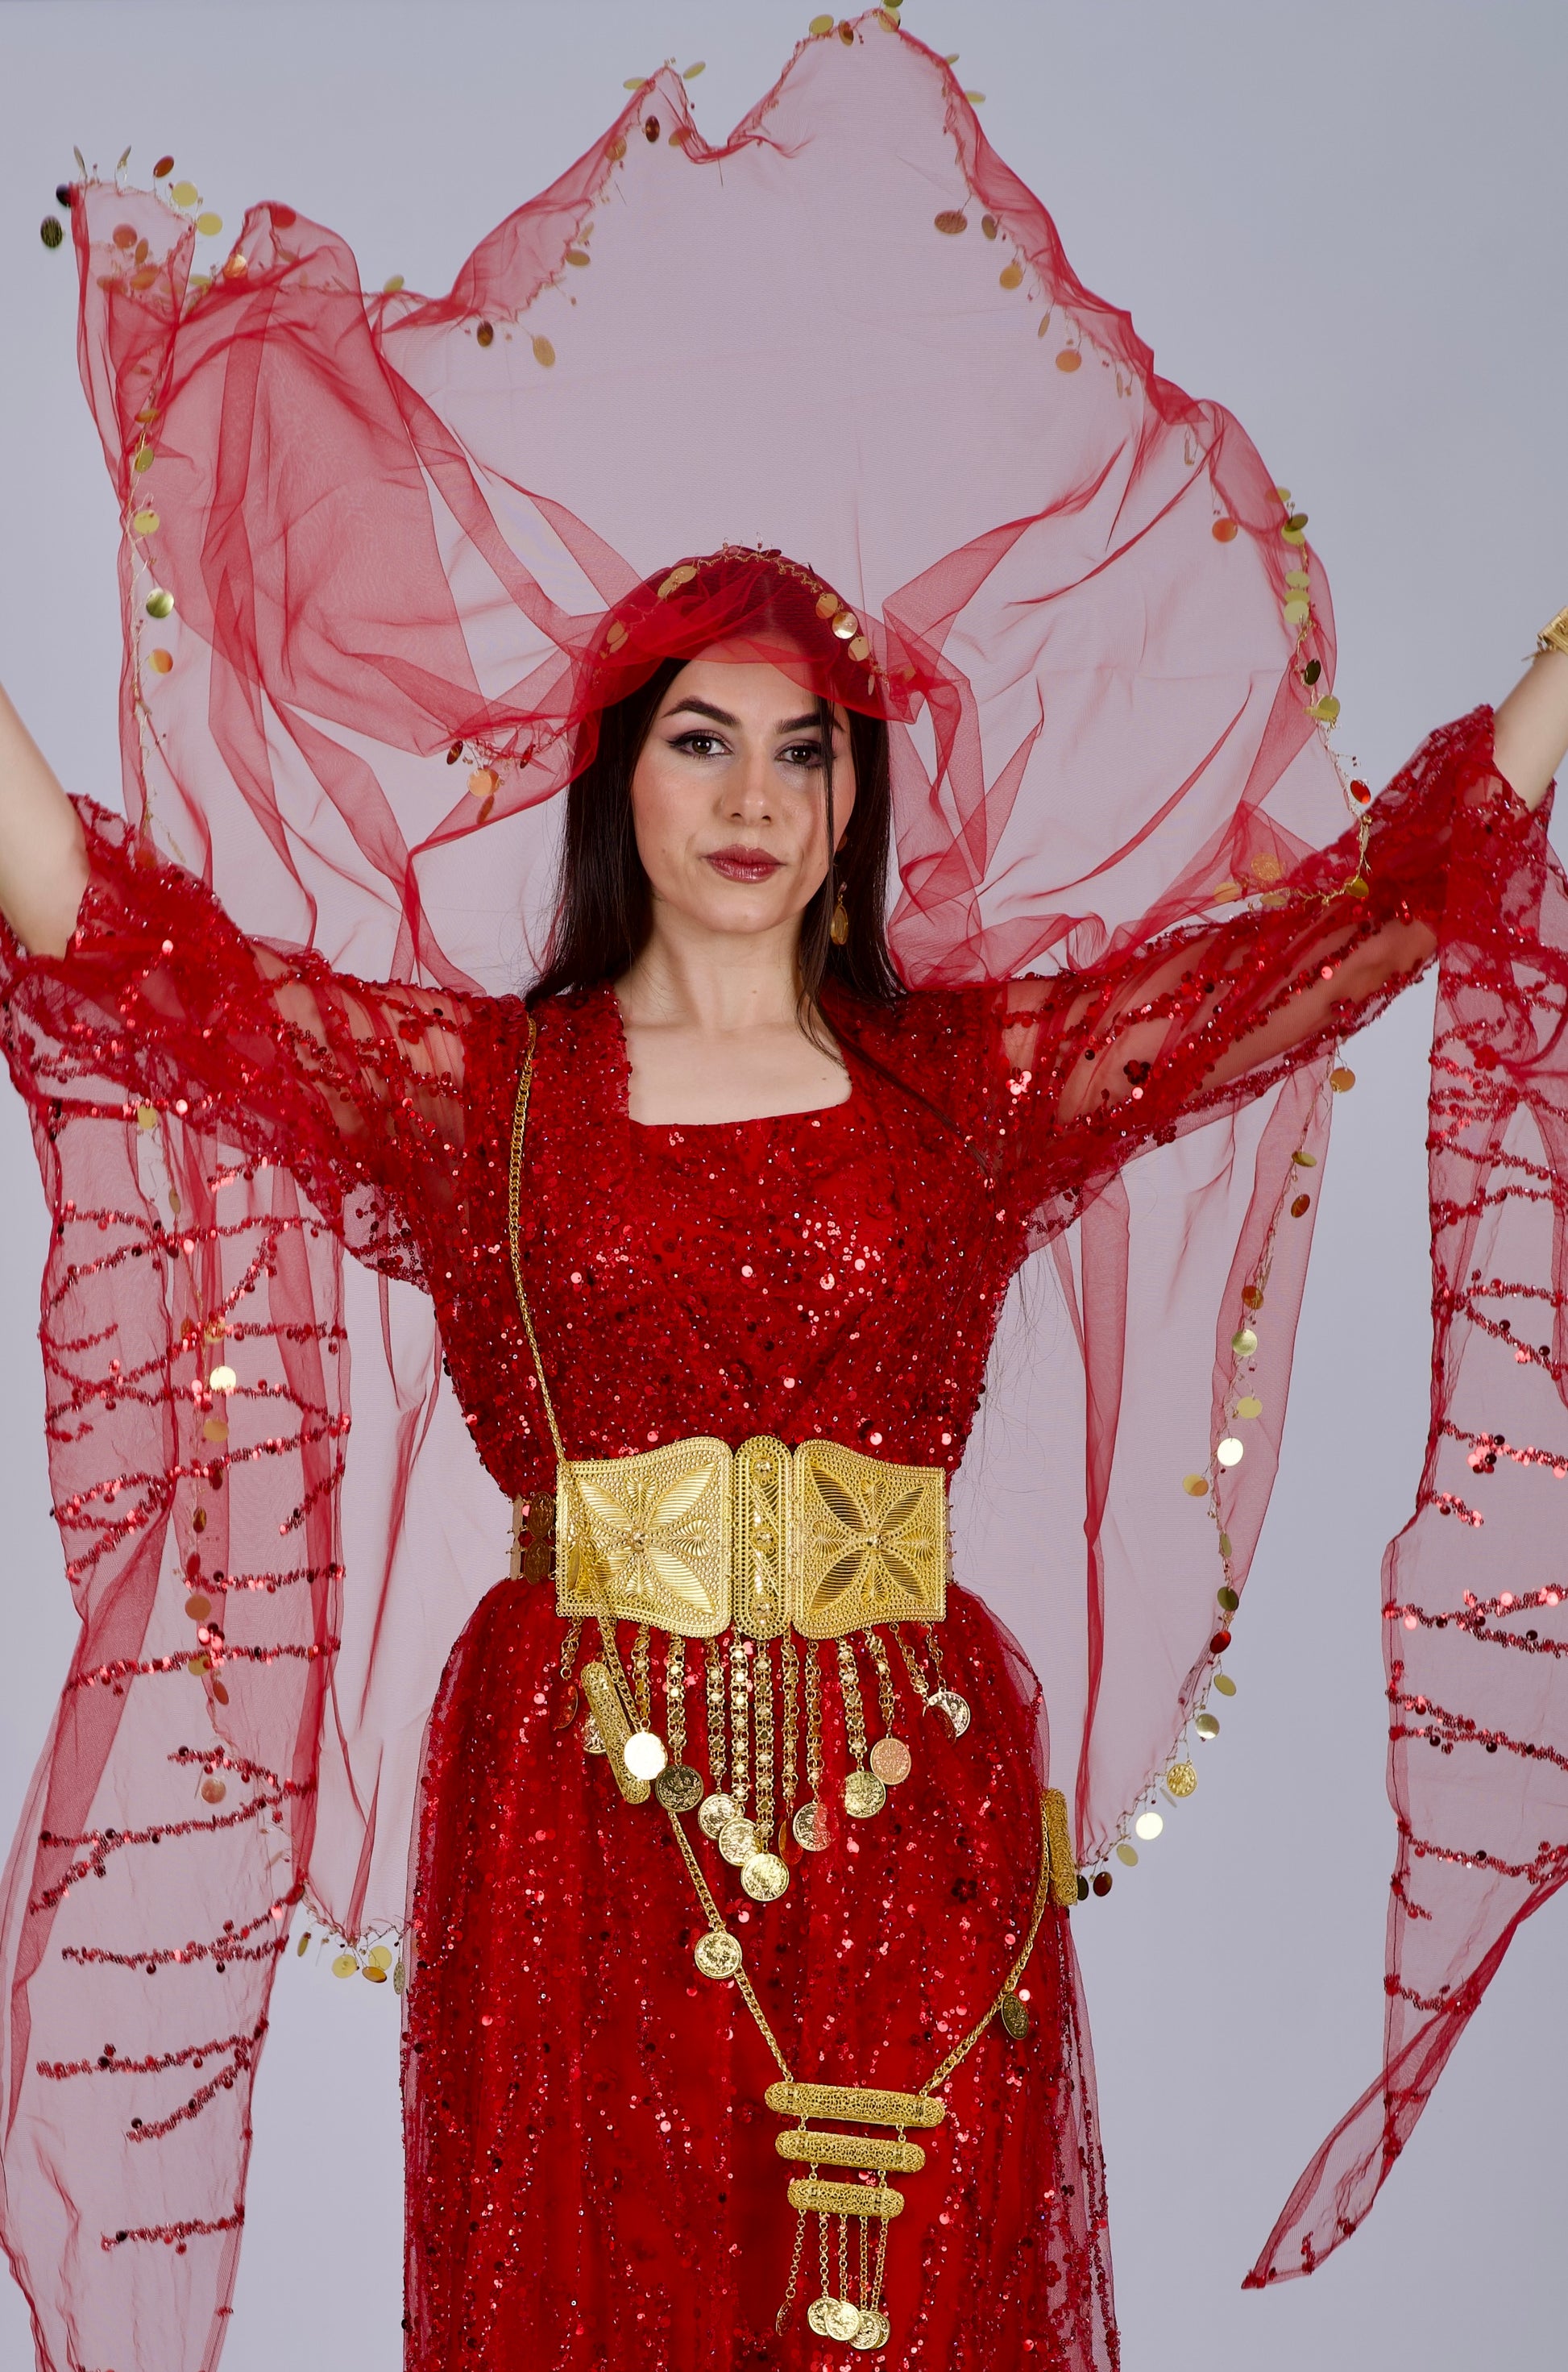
x: 842, y: 2318
x: 1015, y: 2016
x: 1181, y: 1779
x: 813, y: 1826
x: 678, y: 1788
x: 644, y: 1754
x: 713, y: 1811
x: 717, y: 1953
x: 765, y: 1876
x: 737, y: 1841
x: 891, y: 1761
x: 864, y: 1795
x: 816, y: 2314
x: 948, y: 1703
x: 872, y: 2329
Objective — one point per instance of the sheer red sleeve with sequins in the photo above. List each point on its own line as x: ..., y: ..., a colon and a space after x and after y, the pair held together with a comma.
x: 1100, y: 1064
x: 355, y: 1088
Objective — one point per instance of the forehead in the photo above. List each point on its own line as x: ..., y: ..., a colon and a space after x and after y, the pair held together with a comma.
x: 756, y: 693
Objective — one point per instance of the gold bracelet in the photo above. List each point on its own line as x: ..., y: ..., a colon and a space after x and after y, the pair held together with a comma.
x: 1553, y: 636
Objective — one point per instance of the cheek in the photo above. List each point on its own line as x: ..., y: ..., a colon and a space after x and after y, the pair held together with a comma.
x: 667, y: 809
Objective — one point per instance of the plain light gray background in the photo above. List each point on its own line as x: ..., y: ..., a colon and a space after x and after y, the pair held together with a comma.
x: 1348, y: 222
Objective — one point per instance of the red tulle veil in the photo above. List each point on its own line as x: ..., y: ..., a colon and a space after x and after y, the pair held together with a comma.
x: 393, y: 528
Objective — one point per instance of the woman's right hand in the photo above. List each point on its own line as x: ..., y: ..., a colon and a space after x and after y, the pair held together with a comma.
x: 43, y: 864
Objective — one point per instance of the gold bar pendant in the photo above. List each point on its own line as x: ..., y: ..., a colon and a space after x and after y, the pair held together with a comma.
x: 845, y: 2199
x: 850, y: 2106
x: 852, y: 2149
x: 610, y: 1723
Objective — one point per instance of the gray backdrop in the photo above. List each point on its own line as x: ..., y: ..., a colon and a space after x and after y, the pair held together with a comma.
x: 1348, y: 222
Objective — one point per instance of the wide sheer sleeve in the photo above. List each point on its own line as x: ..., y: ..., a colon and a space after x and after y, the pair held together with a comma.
x: 355, y: 1088
x: 215, y: 1119
x: 1088, y: 1068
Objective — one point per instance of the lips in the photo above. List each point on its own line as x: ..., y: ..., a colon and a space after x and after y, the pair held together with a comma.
x: 740, y: 864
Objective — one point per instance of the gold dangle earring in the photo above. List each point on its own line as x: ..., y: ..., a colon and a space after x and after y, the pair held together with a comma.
x: 838, y: 929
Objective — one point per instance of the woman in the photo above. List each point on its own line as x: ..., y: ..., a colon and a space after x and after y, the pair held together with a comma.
x: 766, y: 1201
x: 590, y: 2177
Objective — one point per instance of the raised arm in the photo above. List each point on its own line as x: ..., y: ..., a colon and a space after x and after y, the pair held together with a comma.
x: 349, y: 1084
x: 1342, y: 938
x: 44, y: 857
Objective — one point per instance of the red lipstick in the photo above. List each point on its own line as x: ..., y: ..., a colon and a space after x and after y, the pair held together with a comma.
x: 741, y: 863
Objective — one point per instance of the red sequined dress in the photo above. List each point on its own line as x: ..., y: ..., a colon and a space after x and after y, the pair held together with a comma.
x: 592, y: 2177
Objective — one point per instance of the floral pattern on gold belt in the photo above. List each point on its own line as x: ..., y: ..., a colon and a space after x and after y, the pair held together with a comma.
x: 694, y: 1538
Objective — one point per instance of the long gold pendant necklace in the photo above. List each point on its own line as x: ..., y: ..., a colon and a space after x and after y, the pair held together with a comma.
x: 621, y: 1710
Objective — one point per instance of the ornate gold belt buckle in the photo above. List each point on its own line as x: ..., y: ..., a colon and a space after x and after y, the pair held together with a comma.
x: 693, y: 1538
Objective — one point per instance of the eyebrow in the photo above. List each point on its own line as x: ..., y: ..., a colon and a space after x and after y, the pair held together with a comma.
x: 723, y: 716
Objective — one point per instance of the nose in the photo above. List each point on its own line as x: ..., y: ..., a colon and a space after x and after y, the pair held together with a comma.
x: 749, y: 789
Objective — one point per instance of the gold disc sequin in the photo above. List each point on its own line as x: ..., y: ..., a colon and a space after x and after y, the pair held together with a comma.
x: 1015, y: 2016
x: 765, y: 1876
x: 678, y: 1788
x: 864, y: 1795
x: 948, y: 1703
x: 813, y: 1826
x: 713, y: 1811
x: 737, y: 1841
x: 1181, y: 1778
x: 891, y: 1761
x: 717, y: 1953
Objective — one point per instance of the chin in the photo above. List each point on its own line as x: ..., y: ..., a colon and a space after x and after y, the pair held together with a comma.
x: 734, y: 909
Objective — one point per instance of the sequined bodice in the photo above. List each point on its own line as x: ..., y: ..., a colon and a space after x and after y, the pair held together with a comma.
x: 836, y: 1272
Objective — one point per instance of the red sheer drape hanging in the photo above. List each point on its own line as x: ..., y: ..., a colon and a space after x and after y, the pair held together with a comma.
x: 389, y: 526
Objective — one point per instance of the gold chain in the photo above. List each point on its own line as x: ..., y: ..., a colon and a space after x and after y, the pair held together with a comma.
x: 718, y: 1753
x: 739, y: 1723
x: 813, y: 1720
x: 605, y: 1615
x: 887, y: 1701
x: 790, y: 1663
x: 918, y: 1680
x: 855, y: 1714
x: 763, y: 1714
x: 675, y: 1695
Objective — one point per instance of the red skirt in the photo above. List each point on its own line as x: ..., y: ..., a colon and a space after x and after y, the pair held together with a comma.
x: 592, y: 2178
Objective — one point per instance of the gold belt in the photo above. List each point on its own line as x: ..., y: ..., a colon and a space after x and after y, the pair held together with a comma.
x: 695, y: 1539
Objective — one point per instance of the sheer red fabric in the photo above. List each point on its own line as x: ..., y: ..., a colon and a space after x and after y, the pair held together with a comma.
x: 393, y: 527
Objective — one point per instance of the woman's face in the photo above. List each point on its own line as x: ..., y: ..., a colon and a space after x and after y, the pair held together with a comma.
x: 728, y: 799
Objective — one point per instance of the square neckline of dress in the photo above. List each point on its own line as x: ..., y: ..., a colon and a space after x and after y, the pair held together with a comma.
x: 616, y: 1026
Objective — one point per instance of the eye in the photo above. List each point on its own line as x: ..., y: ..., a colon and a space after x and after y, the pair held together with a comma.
x: 697, y: 743
x: 801, y: 754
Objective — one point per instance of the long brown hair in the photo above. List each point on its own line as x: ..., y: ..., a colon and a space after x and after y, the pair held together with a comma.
x: 604, y: 905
